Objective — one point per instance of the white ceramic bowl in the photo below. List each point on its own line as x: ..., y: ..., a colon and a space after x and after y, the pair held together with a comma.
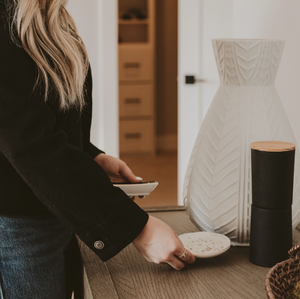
x: 143, y: 188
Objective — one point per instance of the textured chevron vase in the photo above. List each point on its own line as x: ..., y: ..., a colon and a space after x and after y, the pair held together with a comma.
x: 246, y: 108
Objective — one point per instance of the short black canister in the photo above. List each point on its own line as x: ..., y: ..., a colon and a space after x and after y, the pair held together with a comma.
x: 272, y: 165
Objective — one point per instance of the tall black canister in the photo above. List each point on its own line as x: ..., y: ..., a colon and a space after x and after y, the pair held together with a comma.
x: 272, y: 165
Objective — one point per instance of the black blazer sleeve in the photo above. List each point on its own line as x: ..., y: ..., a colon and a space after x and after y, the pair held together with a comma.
x: 94, y: 151
x: 64, y: 178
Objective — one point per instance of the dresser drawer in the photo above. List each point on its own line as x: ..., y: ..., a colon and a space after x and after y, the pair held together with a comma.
x: 135, y: 64
x: 136, y: 100
x: 137, y: 136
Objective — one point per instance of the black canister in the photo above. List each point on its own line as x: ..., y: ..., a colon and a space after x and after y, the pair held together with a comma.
x: 272, y: 165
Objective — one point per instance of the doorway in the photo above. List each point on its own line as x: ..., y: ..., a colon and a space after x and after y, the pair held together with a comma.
x: 148, y: 95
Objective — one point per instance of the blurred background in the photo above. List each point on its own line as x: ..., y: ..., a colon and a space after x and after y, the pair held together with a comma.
x: 141, y: 52
x: 147, y: 51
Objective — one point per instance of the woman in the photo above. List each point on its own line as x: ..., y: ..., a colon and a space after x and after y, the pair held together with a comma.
x: 53, y: 181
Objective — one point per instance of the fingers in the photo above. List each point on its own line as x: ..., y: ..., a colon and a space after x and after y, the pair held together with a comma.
x: 159, y: 244
x: 175, y: 263
x: 133, y: 197
x: 188, y: 258
x: 185, y: 255
x: 178, y: 263
x: 126, y: 172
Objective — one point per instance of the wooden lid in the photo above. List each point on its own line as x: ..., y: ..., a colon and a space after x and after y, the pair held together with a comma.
x: 273, y: 146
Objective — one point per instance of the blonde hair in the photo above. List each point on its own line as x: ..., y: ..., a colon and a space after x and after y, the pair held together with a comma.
x: 48, y: 34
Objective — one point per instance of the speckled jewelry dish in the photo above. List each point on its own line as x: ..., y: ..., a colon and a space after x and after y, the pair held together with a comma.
x: 205, y: 244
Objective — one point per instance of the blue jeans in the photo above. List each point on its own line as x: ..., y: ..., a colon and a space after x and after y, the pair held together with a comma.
x: 33, y: 258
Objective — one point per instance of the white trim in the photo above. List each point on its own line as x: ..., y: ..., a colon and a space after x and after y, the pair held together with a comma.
x: 189, y: 96
x: 97, y: 25
x: 109, y: 77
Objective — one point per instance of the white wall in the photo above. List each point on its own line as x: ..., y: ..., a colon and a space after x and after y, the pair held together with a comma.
x: 270, y: 19
x: 277, y: 19
x: 97, y: 26
x: 199, y: 21
x: 217, y: 22
x: 189, y: 61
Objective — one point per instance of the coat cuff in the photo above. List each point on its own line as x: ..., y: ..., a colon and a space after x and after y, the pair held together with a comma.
x: 108, y: 242
x: 94, y: 151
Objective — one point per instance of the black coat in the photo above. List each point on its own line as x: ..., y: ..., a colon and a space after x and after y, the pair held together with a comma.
x: 46, y: 159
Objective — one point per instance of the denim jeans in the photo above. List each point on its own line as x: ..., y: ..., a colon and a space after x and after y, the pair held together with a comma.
x: 32, y: 258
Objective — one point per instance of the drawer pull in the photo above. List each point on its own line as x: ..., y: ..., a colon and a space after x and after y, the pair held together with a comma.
x: 133, y: 135
x: 131, y: 65
x: 132, y: 101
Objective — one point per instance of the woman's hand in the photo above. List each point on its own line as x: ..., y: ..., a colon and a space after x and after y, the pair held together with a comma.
x: 116, y: 169
x: 159, y: 244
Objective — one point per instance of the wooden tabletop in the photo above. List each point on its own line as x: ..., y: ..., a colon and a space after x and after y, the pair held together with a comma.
x: 129, y: 276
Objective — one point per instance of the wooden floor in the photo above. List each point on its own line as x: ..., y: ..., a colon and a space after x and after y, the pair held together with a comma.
x: 162, y: 168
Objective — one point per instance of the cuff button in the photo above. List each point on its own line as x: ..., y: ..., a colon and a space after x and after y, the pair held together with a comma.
x: 99, y: 245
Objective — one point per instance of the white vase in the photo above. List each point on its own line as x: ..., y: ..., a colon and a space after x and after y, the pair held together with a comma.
x: 246, y: 108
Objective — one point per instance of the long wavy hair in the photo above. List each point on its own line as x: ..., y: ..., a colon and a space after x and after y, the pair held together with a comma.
x: 48, y: 34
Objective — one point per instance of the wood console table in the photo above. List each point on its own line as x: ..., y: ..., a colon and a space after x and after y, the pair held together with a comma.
x: 129, y: 276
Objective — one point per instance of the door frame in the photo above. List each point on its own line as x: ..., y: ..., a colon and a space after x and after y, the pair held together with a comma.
x: 92, y: 22
x: 189, y: 95
x: 105, y: 128
x: 189, y: 116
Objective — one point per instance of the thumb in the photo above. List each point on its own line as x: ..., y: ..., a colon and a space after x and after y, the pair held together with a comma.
x: 126, y: 172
